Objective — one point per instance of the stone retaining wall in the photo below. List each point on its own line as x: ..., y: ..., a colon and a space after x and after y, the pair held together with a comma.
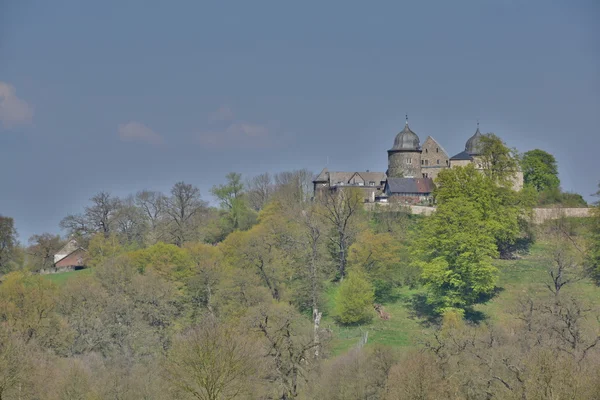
x: 540, y: 215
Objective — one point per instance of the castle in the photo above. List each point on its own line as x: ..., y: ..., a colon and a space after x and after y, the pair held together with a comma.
x: 411, y: 172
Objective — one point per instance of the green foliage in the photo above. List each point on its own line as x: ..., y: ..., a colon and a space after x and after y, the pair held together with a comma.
x: 594, y: 241
x: 236, y: 212
x: 168, y: 260
x: 500, y: 208
x: 498, y: 161
x: 354, y: 302
x: 102, y: 248
x: 8, y: 244
x: 380, y: 256
x: 454, y: 250
x: 555, y: 196
x: 540, y: 170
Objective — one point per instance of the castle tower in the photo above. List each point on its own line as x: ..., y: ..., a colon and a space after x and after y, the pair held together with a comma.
x: 404, y: 158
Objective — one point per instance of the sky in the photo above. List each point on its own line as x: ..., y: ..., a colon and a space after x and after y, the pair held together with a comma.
x: 124, y: 95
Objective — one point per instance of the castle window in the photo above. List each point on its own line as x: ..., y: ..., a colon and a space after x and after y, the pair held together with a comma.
x: 422, y: 162
x: 426, y: 151
x: 438, y: 161
x: 437, y: 149
x: 446, y: 162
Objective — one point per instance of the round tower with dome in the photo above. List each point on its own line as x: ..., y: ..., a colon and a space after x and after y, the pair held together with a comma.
x: 404, y: 158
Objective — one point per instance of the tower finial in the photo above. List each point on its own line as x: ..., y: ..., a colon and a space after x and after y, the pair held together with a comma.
x: 477, y: 123
x: 406, y: 115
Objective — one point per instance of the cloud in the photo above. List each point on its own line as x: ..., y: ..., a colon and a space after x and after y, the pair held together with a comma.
x: 224, y: 113
x: 137, y: 132
x: 13, y: 110
x: 242, y: 135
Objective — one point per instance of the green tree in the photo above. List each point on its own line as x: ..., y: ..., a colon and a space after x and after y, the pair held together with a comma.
x: 502, y: 209
x: 8, y: 243
x: 354, y: 300
x: 234, y: 203
x: 498, y: 161
x: 594, y: 240
x: 454, y: 250
x: 540, y: 170
x: 379, y: 255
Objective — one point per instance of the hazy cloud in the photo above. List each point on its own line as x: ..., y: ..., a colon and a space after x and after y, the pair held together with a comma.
x: 13, y: 110
x: 224, y: 113
x: 243, y: 135
x: 137, y: 132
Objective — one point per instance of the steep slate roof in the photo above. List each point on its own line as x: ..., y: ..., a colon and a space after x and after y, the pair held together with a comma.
x: 473, y: 145
x: 409, y: 185
x: 463, y: 155
x: 406, y: 140
x: 323, y: 176
x: 376, y: 177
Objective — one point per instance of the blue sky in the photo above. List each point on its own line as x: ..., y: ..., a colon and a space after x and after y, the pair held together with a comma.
x: 126, y: 95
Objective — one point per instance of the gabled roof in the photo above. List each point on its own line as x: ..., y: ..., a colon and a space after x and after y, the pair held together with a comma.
x: 323, y: 176
x: 437, y: 143
x: 68, y: 249
x: 369, y: 176
x: 463, y: 155
x: 339, y: 177
x: 409, y: 185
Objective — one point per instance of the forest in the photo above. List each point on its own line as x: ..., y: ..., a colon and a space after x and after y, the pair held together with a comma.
x: 275, y: 294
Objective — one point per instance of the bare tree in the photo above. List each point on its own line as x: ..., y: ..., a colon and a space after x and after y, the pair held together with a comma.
x: 154, y: 207
x: 183, y: 205
x: 42, y: 249
x: 97, y: 217
x: 260, y: 190
x: 341, y: 209
x: 289, y: 345
x: 212, y: 362
x: 100, y: 213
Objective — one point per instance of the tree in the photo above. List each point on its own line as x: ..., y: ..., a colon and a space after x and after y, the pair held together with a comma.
x: 207, y: 274
x: 454, y: 250
x: 42, y: 249
x: 341, y: 209
x: 379, y: 255
x: 260, y: 190
x: 540, y: 170
x: 354, y: 300
x: 182, y: 207
x: 8, y: 243
x: 594, y: 241
x: 153, y: 205
x: 498, y: 161
x: 97, y: 217
x: 234, y: 202
x: 503, y: 210
x: 130, y: 223
x: 288, y: 342
x: 212, y: 362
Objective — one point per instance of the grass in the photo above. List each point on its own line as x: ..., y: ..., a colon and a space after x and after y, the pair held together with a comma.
x: 62, y: 277
x: 527, y: 275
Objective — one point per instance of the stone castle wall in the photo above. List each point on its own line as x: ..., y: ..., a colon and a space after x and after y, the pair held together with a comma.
x: 405, y: 164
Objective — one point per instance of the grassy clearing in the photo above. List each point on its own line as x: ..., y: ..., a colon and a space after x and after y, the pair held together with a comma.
x: 517, y: 277
x: 63, y: 277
